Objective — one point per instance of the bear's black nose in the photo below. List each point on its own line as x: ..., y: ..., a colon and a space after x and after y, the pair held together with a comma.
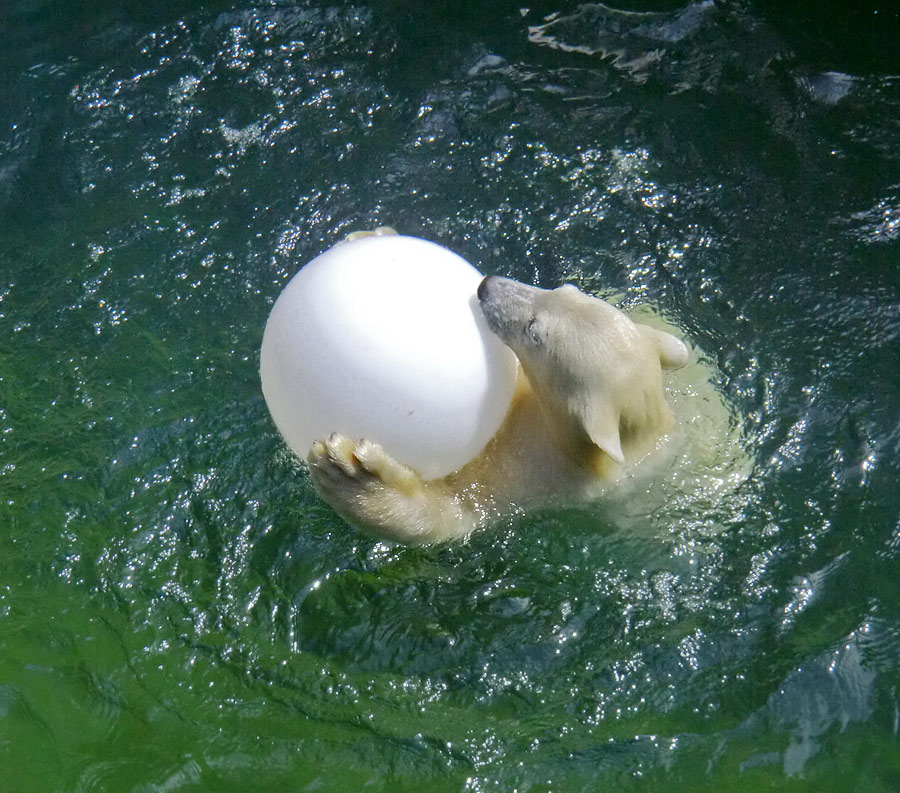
x: 484, y: 287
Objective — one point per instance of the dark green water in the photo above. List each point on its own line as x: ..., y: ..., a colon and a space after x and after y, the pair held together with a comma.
x: 178, y: 610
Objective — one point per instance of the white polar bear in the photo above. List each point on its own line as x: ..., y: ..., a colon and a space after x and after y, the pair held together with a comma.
x: 590, y: 403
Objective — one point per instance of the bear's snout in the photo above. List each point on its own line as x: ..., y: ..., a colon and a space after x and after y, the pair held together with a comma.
x: 506, y: 304
x: 484, y: 287
x: 505, y: 291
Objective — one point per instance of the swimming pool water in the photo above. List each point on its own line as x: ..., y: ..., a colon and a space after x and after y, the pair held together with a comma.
x: 178, y: 609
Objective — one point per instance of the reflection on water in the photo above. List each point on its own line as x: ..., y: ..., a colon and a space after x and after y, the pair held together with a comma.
x: 180, y: 610
x: 635, y: 42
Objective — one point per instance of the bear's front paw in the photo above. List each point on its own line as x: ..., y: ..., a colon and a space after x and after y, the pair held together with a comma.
x: 344, y: 470
x: 370, y: 489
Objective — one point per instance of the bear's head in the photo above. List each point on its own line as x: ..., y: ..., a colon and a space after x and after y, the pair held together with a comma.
x: 595, y: 372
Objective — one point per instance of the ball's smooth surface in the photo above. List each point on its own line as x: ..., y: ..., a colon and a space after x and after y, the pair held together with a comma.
x: 382, y: 338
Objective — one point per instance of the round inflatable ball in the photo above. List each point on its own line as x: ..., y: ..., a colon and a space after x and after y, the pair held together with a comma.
x: 382, y: 338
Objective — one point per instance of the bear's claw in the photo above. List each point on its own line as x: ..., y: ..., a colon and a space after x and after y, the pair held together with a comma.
x: 336, y: 456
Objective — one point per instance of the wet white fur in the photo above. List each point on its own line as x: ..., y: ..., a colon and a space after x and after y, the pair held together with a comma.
x: 590, y: 409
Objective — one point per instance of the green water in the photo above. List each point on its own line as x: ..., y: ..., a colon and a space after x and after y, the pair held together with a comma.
x: 180, y: 612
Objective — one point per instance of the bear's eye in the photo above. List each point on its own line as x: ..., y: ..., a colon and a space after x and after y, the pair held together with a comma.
x: 535, y: 332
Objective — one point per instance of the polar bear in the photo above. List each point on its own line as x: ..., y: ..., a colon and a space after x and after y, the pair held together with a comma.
x: 589, y: 403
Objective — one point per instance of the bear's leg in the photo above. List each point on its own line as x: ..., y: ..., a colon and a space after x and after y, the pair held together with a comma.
x: 370, y: 489
x: 381, y: 231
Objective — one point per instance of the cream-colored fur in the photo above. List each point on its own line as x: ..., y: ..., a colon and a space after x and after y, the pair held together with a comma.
x: 590, y: 408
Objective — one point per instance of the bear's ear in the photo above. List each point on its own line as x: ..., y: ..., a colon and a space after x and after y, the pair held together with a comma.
x: 673, y: 352
x: 602, y: 425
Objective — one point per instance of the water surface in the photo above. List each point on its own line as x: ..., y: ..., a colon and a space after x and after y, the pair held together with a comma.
x: 179, y: 611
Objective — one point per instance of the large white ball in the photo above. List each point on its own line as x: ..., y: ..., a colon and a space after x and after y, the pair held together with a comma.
x: 382, y: 338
